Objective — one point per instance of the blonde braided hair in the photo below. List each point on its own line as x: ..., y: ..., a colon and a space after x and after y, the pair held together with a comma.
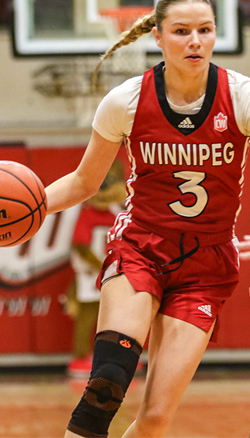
x: 141, y: 27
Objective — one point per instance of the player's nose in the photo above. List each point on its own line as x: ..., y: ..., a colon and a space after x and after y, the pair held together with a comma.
x: 194, y: 38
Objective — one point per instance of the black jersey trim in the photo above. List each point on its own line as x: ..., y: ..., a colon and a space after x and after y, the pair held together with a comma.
x: 175, y: 118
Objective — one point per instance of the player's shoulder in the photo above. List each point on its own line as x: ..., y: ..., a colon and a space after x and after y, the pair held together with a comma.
x: 131, y: 84
x: 126, y: 91
x: 237, y: 79
x: 239, y: 85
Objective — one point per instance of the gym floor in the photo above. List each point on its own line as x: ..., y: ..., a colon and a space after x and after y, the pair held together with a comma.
x: 37, y: 404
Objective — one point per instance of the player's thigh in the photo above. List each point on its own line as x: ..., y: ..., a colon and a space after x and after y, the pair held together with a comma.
x: 124, y: 310
x: 175, y: 351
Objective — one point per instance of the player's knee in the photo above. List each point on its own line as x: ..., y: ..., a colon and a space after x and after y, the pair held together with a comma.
x: 107, y: 390
x: 114, y: 364
x: 152, y: 422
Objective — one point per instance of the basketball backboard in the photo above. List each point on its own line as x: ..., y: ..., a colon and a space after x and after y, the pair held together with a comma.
x: 81, y: 27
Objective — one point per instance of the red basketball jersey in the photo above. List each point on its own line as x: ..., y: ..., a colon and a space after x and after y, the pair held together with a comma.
x: 187, y: 171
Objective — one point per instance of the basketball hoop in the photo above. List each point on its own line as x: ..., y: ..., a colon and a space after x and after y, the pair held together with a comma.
x: 125, y: 16
x: 73, y: 80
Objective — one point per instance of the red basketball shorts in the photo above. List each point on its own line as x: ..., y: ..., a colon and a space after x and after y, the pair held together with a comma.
x: 195, y: 292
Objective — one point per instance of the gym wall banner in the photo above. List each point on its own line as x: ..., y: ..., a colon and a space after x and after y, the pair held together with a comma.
x: 35, y: 276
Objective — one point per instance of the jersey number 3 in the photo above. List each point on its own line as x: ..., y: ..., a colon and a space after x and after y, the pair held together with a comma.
x: 192, y: 185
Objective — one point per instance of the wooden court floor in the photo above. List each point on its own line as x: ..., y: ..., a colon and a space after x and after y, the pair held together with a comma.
x: 38, y: 405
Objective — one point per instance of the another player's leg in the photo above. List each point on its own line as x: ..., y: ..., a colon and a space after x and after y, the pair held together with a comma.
x: 175, y: 351
x: 121, y: 332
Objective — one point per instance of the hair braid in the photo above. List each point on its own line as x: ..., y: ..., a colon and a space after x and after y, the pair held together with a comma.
x: 141, y: 27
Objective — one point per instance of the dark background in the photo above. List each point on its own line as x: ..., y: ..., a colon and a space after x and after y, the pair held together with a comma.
x: 6, y: 7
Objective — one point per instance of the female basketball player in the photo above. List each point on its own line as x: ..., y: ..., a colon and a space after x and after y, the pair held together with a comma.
x: 171, y: 263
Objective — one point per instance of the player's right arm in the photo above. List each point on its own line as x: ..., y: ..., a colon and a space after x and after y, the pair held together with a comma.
x: 113, y: 121
x: 85, y: 181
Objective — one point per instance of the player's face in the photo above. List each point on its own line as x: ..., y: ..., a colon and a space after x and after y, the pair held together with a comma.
x: 187, y: 37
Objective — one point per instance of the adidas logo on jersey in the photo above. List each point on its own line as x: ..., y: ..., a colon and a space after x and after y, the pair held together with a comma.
x: 186, y: 123
x: 206, y: 309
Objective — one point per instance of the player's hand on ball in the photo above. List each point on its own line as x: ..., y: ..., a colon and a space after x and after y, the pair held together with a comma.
x: 22, y: 203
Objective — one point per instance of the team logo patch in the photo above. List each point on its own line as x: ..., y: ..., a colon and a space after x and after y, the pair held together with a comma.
x: 220, y: 122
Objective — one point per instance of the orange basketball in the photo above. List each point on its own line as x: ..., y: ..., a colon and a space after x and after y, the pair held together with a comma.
x: 22, y: 203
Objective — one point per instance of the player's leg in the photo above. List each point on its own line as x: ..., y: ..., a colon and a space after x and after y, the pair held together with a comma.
x: 175, y: 351
x: 124, y: 320
x: 69, y: 434
x: 122, y: 309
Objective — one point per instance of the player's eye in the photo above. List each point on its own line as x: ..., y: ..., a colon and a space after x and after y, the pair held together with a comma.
x: 205, y: 30
x: 181, y: 31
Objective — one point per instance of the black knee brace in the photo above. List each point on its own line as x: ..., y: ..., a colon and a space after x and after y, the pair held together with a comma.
x: 114, y: 363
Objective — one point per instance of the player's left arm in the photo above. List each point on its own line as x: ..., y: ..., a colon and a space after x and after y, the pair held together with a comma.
x: 240, y: 94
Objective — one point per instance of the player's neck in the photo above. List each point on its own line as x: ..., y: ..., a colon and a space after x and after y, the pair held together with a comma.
x: 182, y: 90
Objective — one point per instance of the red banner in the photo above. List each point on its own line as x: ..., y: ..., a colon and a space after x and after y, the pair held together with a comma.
x: 34, y: 277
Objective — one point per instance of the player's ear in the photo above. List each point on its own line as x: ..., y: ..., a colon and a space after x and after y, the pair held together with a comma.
x: 157, y: 37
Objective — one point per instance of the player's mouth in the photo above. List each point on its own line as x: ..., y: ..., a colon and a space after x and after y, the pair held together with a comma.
x: 194, y: 57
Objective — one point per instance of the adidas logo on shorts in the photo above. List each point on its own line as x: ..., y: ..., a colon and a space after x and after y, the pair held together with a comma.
x: 186, y: 123
x: 206, y: 309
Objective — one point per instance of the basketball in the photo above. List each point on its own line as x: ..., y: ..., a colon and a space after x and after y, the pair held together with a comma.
x: 22, y: 203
